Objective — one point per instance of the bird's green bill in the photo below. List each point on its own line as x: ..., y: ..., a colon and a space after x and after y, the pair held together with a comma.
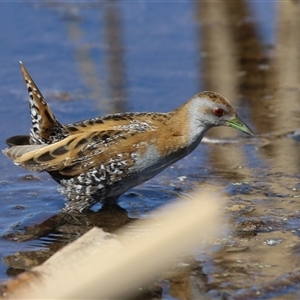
x: 238, y: 124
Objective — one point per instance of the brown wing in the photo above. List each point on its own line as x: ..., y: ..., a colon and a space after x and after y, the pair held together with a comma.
x: 76, y: 153
x: 139, y: 122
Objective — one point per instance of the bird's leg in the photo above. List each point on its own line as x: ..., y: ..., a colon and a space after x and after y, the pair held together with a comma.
x: 111, y: 203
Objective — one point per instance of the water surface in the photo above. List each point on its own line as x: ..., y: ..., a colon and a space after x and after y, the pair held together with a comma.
x: 91, y: 59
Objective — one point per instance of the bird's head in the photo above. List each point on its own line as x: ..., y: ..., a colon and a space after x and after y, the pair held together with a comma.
x: 210, y: 109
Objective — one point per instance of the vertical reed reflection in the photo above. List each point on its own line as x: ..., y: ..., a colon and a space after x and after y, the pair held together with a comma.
x: 255, y: 77
x: 221, y: 58
x: 115, y: 101
x: 217, y: 49
x: 85, y: 61
x: 116, y: 65
x: 237, y: 64
x: 287, y: 97
x: 270, y: 83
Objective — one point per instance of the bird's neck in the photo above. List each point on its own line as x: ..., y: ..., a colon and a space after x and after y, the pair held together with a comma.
x: 187, y: 123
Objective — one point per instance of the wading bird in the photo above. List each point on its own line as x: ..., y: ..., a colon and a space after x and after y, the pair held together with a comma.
x: 98, y: 159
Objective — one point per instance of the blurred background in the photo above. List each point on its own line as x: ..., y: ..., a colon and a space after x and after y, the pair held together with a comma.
x: 97, y: 57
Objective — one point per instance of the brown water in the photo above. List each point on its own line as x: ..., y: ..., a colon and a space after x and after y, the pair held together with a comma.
x: 93, y: 59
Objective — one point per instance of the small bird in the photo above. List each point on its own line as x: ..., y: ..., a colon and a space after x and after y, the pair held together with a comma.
x: 98, y: 159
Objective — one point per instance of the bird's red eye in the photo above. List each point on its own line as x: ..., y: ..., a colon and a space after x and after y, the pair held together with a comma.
x: 219, y: 112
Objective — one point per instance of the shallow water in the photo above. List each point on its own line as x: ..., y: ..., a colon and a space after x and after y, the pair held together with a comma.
x: 90, y: 59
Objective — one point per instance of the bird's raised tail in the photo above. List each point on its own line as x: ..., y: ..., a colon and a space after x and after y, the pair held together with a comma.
x: 45, y: 128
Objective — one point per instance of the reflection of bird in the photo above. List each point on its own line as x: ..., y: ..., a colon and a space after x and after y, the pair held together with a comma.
x: 97, y: 160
